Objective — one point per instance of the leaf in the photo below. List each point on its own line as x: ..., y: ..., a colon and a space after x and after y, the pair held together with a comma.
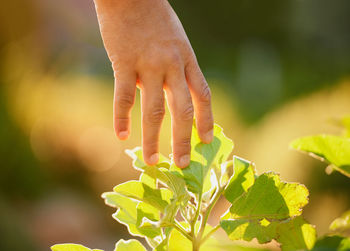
x: 71, y: 247
x: 242, y: 179
x: 132, y: 213
x: 129, y: 245
x: 247, y: 230
x: 216, y: 152
x: 296, y: 234
x: 160, y: 172
x: 260, y: 205
x: 148, y: 180
x: 226, y: 172
x: 342, y: 223
x: 163, y: 246
x: 140, y: 164
x: 193, y: 175
x: 270, y: 198
x: 179, y: 196
x: 210, y: 186
x: 334, y: 149
x: 159, y: 198
x: 147, y: 220
x: 202, y: 157
x: 328, y: 243
x: 127, y: 208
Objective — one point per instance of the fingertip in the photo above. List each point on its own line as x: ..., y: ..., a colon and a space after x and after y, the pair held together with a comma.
x: 207, y: 137
x: 152, y: 160
x: 123, y: 135
x: 183, y: 161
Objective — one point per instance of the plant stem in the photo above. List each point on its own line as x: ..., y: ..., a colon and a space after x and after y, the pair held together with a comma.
x: 179, y: 228
x: 208, y: 211
x: 209, y: 234
x: 195, y: 219
x: 195, y: 245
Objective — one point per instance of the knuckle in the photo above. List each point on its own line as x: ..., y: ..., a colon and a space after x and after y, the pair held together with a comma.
x: 155, y: 116
x: 184, y: 143
x: 125, y: 100
x: 205, y: 96
x: 150, y: 145
x: 172, y: 58
x: 154, y: 65
x: 186, y: 114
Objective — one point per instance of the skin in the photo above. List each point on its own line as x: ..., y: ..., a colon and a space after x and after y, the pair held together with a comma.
x: 149, y: 49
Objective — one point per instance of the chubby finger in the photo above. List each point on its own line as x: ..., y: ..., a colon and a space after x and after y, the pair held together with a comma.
x: 124, y: 98
x: 153, y: 111
x: 181, y: 109
x: 202, y: 102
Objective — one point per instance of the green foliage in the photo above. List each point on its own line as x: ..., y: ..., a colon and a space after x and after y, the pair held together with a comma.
x: 331, y: 243
x: 170, y: 207
x: 263, y: 207
x: 342, y: 224
x: 296, y: 234
x: 129, y: 245
x: 241, y: 181
x: 334, y: 149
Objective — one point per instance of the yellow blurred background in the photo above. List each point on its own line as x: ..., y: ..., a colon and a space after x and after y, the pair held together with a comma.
x: 272, y: 81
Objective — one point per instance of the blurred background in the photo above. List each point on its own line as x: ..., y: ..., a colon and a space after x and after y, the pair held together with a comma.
x: 277, y: 69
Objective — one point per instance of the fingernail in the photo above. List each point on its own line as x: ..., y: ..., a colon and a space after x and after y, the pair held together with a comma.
x: 154, y: 158
x: 208, y: 137
x: 123, y: 134
x: 185, y: 160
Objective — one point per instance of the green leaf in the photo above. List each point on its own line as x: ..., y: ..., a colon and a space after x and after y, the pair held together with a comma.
x: 133, y: 214
x: 127, y: 208
x: 331, y: 243
x: 260, y: 205
x: 216, y: 152
x: 202, y: 157
x: 148, y: 180
x: 129, y: 245
x: 71, y: 247
x: 334, y: 149
x: 247, y: 230
x: 163, y: 246
x: 242, y: 179
x: 149, y: 177
x: 193, y: 175
x: 296, y: 234
x: 209, y: 187
x: 147, y: 220
x: 159, y: 198
x: 160, y: 172
x: 270, y: 198
x: 140, y: 164
x: 341, y: 224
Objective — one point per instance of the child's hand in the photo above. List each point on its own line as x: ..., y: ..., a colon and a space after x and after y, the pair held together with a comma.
x: 148, y: 47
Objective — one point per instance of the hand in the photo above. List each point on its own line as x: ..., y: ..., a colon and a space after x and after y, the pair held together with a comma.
x: 148, y: 48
